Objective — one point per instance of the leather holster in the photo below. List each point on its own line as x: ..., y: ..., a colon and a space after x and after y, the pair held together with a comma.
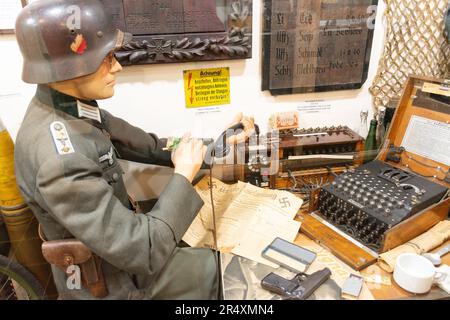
x: 68, y: 252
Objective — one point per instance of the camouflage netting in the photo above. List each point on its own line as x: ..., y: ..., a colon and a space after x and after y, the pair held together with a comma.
x: 415, y: 43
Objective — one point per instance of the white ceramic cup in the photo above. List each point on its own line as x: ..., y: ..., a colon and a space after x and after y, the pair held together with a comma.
x: 415, y: 273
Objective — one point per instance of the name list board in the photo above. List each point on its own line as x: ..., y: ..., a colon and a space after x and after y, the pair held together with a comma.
x: 171, y: 16
x: 312, y: 45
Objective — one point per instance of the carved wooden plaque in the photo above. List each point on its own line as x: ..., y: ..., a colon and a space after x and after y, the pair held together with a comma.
x: 183, y: 30
x: 316, y: 45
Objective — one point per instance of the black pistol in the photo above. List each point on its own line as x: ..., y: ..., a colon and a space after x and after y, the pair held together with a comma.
x: 299, y: 288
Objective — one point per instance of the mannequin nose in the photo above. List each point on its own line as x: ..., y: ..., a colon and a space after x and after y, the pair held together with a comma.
x: 117, y: 67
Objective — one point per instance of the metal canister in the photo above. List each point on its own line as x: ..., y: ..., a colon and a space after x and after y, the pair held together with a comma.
x: 9, y: 192
x: 19, y: 220
x: 4, y: 239
x: 22, y: 228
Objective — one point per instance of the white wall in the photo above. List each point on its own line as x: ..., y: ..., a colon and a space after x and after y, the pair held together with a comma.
x: 152, y: 97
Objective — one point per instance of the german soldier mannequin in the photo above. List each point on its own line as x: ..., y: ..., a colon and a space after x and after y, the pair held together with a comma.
x: 67, y: 169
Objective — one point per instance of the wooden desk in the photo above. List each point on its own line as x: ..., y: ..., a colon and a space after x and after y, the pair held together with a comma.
x: 394, y: 292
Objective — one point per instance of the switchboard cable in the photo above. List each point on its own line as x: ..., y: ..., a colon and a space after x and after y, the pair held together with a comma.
x: 330, y: 171
x: 291, y: 176
x: 216, y: 247
x: 447, y: 194
x: 220, y: 149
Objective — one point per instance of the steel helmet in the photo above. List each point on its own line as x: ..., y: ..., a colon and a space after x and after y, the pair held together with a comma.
x: 65, y: 39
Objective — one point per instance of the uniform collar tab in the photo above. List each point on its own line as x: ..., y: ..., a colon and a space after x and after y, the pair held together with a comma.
x: 63, y: 102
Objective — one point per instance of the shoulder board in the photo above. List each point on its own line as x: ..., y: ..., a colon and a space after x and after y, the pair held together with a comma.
x: 61, y: 138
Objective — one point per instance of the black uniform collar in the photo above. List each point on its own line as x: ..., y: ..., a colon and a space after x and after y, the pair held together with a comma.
x: 61, y: 101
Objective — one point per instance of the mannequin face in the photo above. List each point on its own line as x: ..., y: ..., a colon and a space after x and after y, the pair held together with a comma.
x: 96, y: 86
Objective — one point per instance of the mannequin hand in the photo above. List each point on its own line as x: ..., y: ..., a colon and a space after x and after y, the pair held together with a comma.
x: 249, y: 129
x: 188, y: 157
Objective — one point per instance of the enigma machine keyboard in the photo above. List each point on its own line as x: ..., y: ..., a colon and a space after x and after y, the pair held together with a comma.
x: 375, y: 197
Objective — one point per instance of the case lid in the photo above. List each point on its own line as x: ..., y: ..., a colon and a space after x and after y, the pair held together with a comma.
x: 421, y: 125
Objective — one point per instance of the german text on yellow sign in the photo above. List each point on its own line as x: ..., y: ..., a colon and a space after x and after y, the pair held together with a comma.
x: 207, y: 87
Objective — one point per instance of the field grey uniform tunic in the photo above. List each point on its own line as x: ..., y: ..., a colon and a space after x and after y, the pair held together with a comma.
x: 82, y: 195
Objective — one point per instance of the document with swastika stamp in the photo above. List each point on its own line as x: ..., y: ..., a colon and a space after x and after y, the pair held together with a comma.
x: 248, y: 218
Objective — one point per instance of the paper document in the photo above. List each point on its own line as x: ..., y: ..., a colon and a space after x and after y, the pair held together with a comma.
x: 428, y: 138
x: 248, y: 218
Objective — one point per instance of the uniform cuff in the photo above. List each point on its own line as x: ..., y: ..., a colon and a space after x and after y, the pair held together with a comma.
x: 178, y: 205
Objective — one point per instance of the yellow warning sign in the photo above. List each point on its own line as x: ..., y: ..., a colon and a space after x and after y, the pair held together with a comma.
x: 207, y: 87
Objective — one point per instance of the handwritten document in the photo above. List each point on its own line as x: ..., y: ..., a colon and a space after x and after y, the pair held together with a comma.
x: 248, y: 218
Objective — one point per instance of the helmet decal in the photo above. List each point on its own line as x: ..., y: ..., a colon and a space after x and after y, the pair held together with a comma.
x: 79, y: 45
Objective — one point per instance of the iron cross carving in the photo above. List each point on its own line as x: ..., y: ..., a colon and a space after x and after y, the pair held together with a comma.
x: 159, y: 47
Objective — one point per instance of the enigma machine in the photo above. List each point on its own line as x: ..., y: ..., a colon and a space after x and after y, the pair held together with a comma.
x: 382, y: 204
x: 367, y: 201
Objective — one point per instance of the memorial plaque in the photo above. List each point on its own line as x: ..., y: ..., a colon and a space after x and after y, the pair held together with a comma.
x: 183, y: 30
x: 316, y: 45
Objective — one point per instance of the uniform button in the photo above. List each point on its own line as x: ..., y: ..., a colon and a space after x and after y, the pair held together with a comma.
x: 115, y: 177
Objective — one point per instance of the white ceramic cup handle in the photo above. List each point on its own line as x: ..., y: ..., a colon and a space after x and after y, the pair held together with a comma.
x: 439, y: 277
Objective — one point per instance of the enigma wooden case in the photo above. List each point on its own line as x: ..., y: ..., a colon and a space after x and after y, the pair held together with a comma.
x: 417, y: 143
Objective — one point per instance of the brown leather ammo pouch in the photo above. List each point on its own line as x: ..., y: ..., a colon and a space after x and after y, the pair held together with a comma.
x: 68, y: 252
